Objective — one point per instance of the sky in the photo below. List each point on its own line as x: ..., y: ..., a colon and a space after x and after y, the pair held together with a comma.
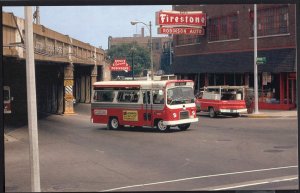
x: 94, y: 24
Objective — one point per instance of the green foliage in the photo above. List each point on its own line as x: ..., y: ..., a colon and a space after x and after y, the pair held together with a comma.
x: 141, y: 58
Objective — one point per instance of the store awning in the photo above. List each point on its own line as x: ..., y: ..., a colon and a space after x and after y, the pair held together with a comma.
x: 278, y: 60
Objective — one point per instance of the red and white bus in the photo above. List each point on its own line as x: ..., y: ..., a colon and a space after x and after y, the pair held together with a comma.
x: 159, y: 104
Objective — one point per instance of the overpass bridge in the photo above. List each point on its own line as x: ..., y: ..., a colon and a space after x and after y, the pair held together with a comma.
x: 65, y: 67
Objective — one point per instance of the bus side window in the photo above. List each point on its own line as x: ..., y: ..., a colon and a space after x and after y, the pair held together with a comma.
x: 120, y: 96
x: 135, y: 98
x: 127, y: 98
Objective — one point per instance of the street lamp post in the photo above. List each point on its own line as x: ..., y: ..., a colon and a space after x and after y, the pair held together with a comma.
x: 150, y: 31
x: 255, y: 64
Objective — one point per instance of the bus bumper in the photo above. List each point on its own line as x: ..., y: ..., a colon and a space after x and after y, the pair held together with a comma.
x: 179, y: 122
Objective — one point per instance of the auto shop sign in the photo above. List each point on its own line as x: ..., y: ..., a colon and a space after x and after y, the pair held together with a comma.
x: 175, y: 18
x: 120, y: 65
x: 180, y: 30
x: 176, y: 22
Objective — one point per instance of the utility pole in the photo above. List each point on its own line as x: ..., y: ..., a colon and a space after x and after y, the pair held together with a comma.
x: 170, y: 46
x: 255, y: 64
x: 151, y: 50
x: 36, y: 15
x: 31, y: 102
x: 132, y: 70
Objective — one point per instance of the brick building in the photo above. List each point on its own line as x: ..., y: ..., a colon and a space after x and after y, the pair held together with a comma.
x: 143, y: 41
x: 225, y: 54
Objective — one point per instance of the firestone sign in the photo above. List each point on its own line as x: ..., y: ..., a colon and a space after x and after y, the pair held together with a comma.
x: 120, y: 65
x: 196, y: 18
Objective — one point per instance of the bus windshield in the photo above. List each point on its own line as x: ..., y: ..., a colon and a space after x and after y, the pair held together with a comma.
x: 180, y: 95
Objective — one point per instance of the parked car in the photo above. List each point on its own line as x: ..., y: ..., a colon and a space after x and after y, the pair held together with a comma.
x: 224, y: 99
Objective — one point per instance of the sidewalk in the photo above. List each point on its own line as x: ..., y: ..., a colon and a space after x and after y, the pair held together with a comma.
x: 272, y: 114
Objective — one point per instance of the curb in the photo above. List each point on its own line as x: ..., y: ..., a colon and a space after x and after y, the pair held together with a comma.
x: 267, y: 116
x: 261, y: 115
x: 8, y: 138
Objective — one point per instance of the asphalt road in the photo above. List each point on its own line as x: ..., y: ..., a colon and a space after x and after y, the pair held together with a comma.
x: 224, y: 153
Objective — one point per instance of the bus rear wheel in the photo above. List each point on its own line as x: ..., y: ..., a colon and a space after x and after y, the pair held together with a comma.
x: 161, y: 127
x: 212, y: 112
x: 113, y: 123
x: 184, y: 127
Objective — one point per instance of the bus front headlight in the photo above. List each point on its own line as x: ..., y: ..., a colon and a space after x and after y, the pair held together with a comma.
x: 174, y: 115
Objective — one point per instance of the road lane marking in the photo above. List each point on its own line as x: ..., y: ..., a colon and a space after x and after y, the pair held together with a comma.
x: 198, y: 177
x: 99, y: 151
x: 255, y: 183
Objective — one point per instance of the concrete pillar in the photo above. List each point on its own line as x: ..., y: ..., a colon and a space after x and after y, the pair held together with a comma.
x: 60, y: 92
x: 82, y: 88
x: 94, y: 75
x: 77, y: 83
x: 68, y: 84
x: 87, y: 89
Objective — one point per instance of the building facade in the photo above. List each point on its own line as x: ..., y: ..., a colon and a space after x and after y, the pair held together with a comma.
x: 225, y: 54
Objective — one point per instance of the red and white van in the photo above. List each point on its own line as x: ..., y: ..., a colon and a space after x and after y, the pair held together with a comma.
x: 159, y: 104
x: 225, y: 99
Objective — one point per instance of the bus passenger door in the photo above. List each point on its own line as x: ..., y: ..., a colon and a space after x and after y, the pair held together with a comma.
x: 147, y: 111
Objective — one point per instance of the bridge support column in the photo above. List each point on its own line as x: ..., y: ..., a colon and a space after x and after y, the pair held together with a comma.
x: 88, y: 89
x: 68, y: 88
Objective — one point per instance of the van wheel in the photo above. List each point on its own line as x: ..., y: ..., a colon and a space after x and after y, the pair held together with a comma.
x: 184, y: 127
x: 212, y: 112
x: 113, y: 123
x: 161, y: 127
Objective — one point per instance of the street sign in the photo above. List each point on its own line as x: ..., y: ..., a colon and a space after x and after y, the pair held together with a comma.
x: 261, y: 60
x: 120, y: 65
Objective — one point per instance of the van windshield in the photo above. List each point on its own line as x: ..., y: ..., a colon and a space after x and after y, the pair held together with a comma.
x: 180, y: 95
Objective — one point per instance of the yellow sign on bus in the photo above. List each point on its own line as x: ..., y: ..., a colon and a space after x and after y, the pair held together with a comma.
x: 130, y: 115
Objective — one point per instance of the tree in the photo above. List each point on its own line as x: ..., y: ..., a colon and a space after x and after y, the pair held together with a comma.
x: 141, y: 58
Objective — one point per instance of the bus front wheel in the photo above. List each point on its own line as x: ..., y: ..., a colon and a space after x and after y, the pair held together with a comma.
x: 161, y: 127
x: 113, y: 123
